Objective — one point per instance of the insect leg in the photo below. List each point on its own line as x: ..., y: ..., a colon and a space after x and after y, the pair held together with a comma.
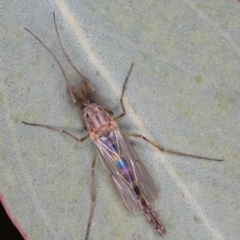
x: 58, y: 130
x: 121, y: 99
x: 93, y: 197
x: 171, y: 151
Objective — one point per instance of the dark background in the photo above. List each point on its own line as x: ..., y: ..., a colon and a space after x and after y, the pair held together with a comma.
x: 7, y: 230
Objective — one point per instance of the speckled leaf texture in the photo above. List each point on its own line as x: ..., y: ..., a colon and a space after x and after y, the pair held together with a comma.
x: 183, y: 93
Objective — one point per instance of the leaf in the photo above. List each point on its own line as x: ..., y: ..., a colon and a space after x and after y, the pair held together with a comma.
x: 183, y: 93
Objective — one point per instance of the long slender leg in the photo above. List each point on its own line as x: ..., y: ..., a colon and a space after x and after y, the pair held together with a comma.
x: 93, y: 198
x: 172, y: 151
x: 84, y: 78
x: 121, y: 99
x: 58, y: 130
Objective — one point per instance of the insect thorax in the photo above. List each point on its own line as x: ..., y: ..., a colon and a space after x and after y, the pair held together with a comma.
x: 95, y: 117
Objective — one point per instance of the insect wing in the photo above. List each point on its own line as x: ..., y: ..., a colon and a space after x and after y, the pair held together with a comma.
x: 124, y: 169
x: 144, y: 180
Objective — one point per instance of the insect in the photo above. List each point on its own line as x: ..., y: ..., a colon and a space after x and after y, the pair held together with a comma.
x: 128, y: 176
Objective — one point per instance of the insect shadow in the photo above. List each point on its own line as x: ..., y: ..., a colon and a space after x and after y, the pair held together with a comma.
x: 130, y: 179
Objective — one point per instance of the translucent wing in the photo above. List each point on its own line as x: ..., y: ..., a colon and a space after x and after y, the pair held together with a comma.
x: 124, y: 169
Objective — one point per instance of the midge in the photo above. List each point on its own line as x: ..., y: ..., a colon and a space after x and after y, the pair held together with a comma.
x: 129, y: 177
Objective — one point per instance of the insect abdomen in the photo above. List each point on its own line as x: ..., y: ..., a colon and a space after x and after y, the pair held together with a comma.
x: 150, y: 215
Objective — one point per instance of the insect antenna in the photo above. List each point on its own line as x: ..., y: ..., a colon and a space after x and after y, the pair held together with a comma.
x: 65, y: 77
x: 73, y: 66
